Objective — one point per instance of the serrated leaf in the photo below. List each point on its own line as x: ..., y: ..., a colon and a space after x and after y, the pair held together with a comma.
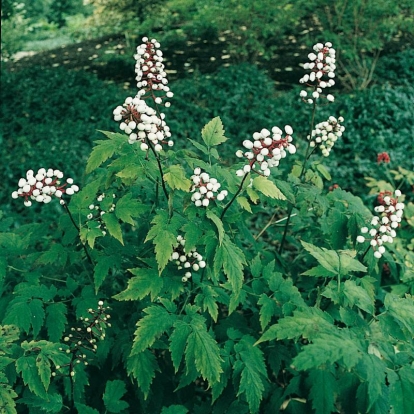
x: 207, y: 300
x: 176, y: 178
x: 267, y: 309
x: 26, y: 365
x: 156, y: 321
x: 174, y: 409
x: 114, y: 391
x: 164, y: 236
x: 19, y: 314
x: 199, y: 146
x: 7, y: 402
x: 203, y: 351
x: 401, y: 309
x: 306, y: 324
x: 113, y: 226
x: 401, y: 392
x: 89, y: 236
x: 319, y: 271
x: 324, y: 171
x: 56, y: 320
x: 218, y: 223
x: 142, y: 367
x: 253, y: 372
x: 267, y: 187
x: 104, y: 149
x: 101, y: 270
x: 244, y: 203
x: 254, y: 197
x: 145, y: 282
x: 213, y: 133
x: 43, y: 366
x: 84, y: 409
x: 127, y: 208
x: 56, y: 254
x: 53, y: 403
x: 178, y: 341
x: 232, y: 259
x: 328, y: 349
x: 357, y: 295
x: 322, y: 390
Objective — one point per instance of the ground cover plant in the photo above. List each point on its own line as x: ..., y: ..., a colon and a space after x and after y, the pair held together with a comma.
x: 176, y: 280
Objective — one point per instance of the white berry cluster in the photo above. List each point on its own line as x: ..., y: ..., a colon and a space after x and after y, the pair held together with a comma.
x: 205, y: 188
x: 383, y: 226
x: 85, y: 338
x: 266, y: 150
x: 98, y: 210
x: 150, y: 70
x: 322, y: 71
x: 326, y: 134
x: 142, y: 124
x: 44, y: 185
x: 186, y: 260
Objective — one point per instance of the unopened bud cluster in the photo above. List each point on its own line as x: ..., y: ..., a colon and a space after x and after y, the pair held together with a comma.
x: 103, y: 205
x: 322, y: 72
x: 144, y: 124
x: 84, y: 339
x: 43, y: 186
x: 384, y: 225
x: 205, y: 189
x: 187, y: 261
x: 326, y: 134
x: 266, y: 150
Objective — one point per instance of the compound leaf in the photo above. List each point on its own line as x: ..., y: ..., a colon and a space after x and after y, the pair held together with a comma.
x: 114, y: 391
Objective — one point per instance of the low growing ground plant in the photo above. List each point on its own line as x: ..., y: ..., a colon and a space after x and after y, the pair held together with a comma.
x: 177, y: 282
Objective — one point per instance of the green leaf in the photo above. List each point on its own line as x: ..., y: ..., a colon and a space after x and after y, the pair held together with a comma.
x: 207, y: 300
x: 319, y: 271
x: 56, y: 320
x: 307, y: 324
x: 232, y: 259
x: 244, y: 203
x: 199, y: 146
x: 89, y: 236
x: 322, y: 390
x: 203, y: 351
x: 156, y: 321
x: 26, y: 365
x: 114, y: 391
x: 142, y: 367
x: 104, y: 149
x: 102, y: 266
x: 174, y: 409
x: 267, y: 187
x: 218, y: 223
x: 401, y: 309
x: 176, y: 179
x: 52, y: 404
x: 250, y: 362
x: 113, y: 226
x: 178, y: 341
x: 267, y: 309
x: 164, y: 236
x: 324, y: 171
x: 84, y: 409
x: 401, y: 392
x: 145, y: 282
x: 7, y: 396
x: 357, y: 295
x: 56, y: 254
x: 254, y: 197
x: 126, y: 209
x: 328, y: 349
x: 213, y: 133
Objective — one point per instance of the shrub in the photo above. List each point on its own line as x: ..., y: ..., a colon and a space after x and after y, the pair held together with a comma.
x: 178, y: 282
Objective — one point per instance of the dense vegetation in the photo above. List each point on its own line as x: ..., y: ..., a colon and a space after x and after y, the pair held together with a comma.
x: 288, y: 307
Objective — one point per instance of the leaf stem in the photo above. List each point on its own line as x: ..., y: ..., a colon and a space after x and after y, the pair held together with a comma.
x: 160, y: 169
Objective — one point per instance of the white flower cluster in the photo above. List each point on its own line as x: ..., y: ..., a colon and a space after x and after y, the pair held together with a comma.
x: 44, y: 185
x: 98, y: 210
x: 205, y: 188
x: 186, y: 260
x: 326, y: 134
x: 384, y: 225
x: 142, y: 124
x: 322, y: 71
x: 150, y: 70
x: 266, y: 150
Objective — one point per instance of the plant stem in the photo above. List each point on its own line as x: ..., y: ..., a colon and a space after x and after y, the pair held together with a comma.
x: 234, y: 197
x: 160, y: 169
x: 307, y: 156
x: 65, y: 206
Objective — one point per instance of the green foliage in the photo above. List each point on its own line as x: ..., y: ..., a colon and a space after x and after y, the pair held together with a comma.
x: 265, y: 302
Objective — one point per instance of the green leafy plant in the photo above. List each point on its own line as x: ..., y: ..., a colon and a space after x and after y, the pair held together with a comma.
x: 231, y: 285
